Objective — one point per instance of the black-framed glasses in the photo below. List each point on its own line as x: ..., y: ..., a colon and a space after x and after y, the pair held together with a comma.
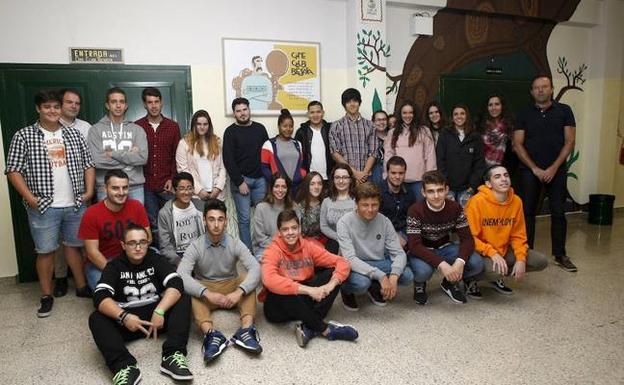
x: 133, y: 244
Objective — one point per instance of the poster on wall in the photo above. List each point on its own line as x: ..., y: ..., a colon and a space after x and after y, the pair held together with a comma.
x: 271, y: 74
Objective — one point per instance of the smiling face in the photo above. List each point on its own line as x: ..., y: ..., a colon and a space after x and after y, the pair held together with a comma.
x: 380, y: 120
x: 290, y: 231
x: 316, y: 186
x: 280, y: 189
x: 407, y: 114
x: 184, y: 192
x: 153, y: 105
x: 117, y: 190
x: 499, y: 180
x: 71, y: 106
x: 116, y: 105
x: 286, y: 128
x: 352, y: 107
x: 49, y: 113
x: 459, y: 117
x: 495, y: 107
x: 242, y: 114
x: 435, y: 194
x: 135, y: 245
x: 396, y: 175
x: 434, y: 115
x: 342, y: 180
x: 315, y: 114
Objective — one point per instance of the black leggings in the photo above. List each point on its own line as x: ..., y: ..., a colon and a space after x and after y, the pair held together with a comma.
x: 110, y: 337
x: 284, y: 308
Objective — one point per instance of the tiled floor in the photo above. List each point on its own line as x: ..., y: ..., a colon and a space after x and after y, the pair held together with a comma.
x: 558, y: 328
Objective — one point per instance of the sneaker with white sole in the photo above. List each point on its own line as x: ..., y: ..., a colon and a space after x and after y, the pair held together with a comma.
x: 472, y: 289
x: 420, y: 293
x: 338, y: 331
x: 453, y: 290
x: 176, y: 367
x: 304, y: 334
x: 130, y: 375
x: 349, y: 302
x: 374, y: 293
x: 248, y: 339
x: 47, y: 301
x: 499, y: 286
x: 566, y: 264
x: 214, y: 344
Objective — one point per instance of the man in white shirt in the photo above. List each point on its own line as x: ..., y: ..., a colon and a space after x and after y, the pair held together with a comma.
x: 313, y: 136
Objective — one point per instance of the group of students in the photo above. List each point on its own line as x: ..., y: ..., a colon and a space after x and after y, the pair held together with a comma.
x: 353, y: 207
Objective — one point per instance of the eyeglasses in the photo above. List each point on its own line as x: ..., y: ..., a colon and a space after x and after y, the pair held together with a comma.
x: 133, y: 244
x: 185, y: 189
x: 337, y: 177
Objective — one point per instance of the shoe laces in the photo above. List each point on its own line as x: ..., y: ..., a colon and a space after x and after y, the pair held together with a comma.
x: 121, y: 377
x: 500, y: 282
x: 250, y: 333
x: 215, y: 339
x: 471, y: 286
x: 179, y: 359
x: 419, y: 289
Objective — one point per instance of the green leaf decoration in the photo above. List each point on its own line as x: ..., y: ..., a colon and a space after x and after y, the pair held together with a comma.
x: 376, y: 101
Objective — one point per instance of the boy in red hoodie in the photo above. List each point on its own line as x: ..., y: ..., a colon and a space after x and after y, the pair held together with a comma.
x: 497, y: 224
x: 292, y: 289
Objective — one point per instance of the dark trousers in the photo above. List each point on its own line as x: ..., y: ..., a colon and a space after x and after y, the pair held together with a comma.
x: 110, y: 337
x: 154, y: 201
x: 332, y: 246
x: 284, y: 308
x: 557, y: 191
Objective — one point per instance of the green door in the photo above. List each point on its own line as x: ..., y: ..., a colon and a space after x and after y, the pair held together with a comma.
x: 20, y: 82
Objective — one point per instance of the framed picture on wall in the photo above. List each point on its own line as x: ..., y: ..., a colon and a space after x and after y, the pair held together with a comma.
x: 271, y: 74
x: 372, y: 10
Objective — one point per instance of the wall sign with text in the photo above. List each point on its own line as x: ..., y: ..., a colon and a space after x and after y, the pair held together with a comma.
x: 96, y: 55
x: 271, y: 74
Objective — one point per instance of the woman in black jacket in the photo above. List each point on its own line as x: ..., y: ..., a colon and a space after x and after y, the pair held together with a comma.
x: 459, y: 155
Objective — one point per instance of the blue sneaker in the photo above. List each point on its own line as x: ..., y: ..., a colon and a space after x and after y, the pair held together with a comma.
x: 304, y: 334
x: 248, y: 339
x: 339, y: 331
x: 214, y: 343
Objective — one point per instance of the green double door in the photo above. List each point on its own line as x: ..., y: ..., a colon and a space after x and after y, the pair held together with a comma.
x: 20, y: 82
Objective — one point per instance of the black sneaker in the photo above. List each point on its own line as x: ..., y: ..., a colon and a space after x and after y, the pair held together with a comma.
x: 349, y: 302
x: 566, y: 264
x: 60, y: 287
x: 130, y: 375
x: 214, y: 343
x: 304, y: 334
x: 176, y: 367
x: 472, y: 289
x: 420, y: 293
x: 47, y: 301
x: 499, y: 286
x: 248, y: 339
x: 84, y: 292
x: 453, y: 291
x: 374, y: 293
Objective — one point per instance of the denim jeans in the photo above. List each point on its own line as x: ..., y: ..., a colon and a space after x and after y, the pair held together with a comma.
x: 415, y: 187
x: 46, y: 229
x: 93, y: 275
x: 257, y: 190
x: 423, y: 271
x: 358, y: 283
x: 134, y: 192
x: 377, y: 174
x: 154, y: 201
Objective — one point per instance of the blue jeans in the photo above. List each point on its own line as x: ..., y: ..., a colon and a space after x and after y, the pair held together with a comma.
x: 358, y: 283
x: 46, y: 229
x: 423, y: 271
x: 154, y: 201
x: 460, y: 197
x: 93, y: 275
x: 257, y: 190
x: 134, y: 192
x: 415, y: 187
x: 377, y: 174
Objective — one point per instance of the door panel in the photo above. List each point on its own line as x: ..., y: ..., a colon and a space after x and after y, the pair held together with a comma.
x: 20, y: 82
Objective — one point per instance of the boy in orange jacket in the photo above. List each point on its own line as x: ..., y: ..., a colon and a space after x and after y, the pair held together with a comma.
x: 294, y: 290
x: 497, y: 224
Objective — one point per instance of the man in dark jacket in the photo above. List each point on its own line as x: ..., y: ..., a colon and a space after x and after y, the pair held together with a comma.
x: 313, y: 136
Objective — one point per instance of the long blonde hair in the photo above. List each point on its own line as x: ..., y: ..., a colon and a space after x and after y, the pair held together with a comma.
x: 196, y: 142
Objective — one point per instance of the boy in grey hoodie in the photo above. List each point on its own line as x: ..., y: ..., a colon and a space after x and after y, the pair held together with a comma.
x: 117, y: 143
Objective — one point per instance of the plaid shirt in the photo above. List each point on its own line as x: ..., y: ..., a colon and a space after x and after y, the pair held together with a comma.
x: 161, y: 147
x: 355, y: 140
x: 28, y: 155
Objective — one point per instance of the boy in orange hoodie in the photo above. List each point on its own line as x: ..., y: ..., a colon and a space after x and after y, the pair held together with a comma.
x: 497, y: 224
x: 292, y: 289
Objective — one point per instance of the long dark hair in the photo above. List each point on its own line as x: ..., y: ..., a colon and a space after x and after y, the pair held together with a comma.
x: 415, y: 129
x: 485, y: 120
x: 468, y: 126
x: 333, y: 193
x: 443, y: 118
x: 303, y: 191
x: 270, y: 198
